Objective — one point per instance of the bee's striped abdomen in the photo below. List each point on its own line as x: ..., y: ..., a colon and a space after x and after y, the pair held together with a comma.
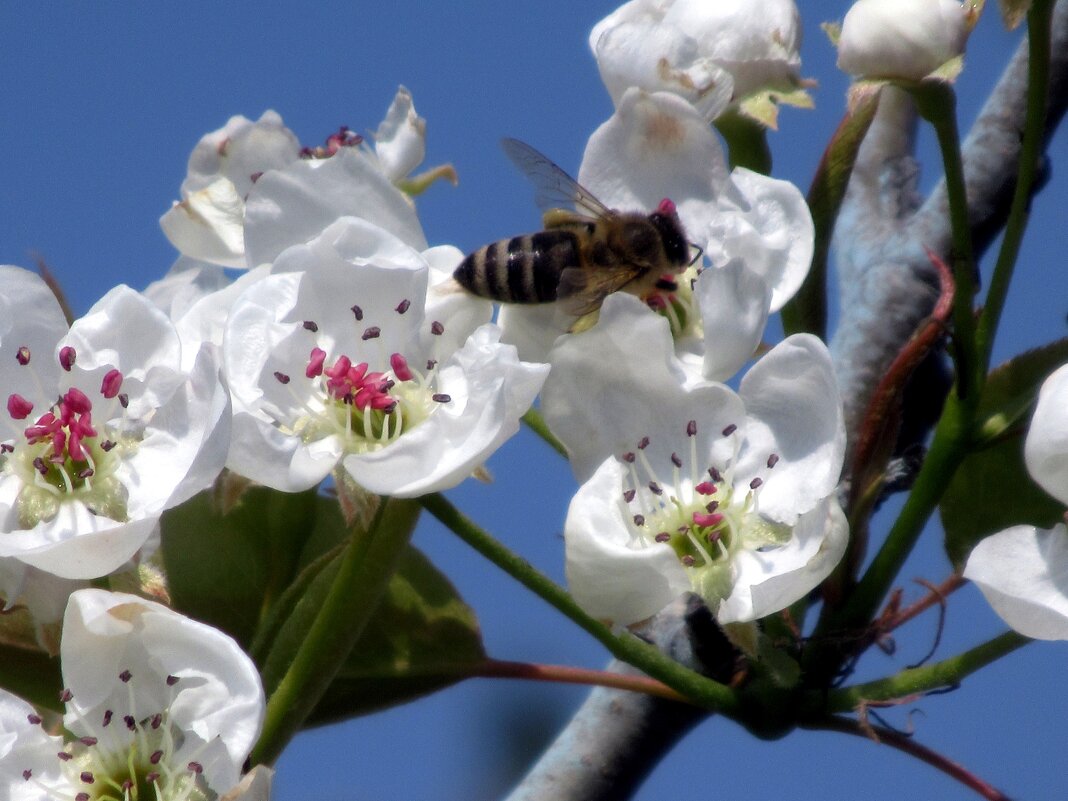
x: 523, y: 269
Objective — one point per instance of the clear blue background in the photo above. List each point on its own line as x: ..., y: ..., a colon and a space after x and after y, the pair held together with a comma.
x: 100, y: 105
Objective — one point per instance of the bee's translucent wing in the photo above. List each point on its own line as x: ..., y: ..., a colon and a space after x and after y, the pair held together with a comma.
x: 583, y: 291
x: 555, y: 188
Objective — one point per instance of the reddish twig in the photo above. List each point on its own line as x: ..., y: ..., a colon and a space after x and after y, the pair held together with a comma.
x: 905, y: 744
x: 566, y: 674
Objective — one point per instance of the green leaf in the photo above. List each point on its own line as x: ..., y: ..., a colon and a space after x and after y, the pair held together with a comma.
x: 422, y: 638
x: 226, y: 568
x: 31, y: 675
x: 992, y: 489
x: 1012, y: 387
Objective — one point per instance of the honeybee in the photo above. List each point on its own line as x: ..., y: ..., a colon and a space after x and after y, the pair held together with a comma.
x: 582, y: 256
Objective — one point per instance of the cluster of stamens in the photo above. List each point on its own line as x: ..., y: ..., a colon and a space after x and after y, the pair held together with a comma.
x: 673, y: 297
x: 62, y: 452
x: 125, y: 758
x: 343, y: 137
x: 367, y: 408
x: 700, y: 516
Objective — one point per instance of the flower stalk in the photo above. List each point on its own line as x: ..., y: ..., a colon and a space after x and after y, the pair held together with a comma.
x: 363, y: 574
x: 696, y: 688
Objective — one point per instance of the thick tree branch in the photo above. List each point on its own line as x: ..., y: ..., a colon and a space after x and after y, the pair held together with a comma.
x: 887, y: 285
x: 616, y: 738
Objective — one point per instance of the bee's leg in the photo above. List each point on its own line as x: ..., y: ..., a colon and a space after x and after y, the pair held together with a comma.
x: 565, y: 218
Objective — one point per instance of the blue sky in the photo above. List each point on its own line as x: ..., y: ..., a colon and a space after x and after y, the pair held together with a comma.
x: 100, y: 106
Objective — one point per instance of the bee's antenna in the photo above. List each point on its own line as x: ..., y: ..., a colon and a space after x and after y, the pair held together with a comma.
x: 697, y: 256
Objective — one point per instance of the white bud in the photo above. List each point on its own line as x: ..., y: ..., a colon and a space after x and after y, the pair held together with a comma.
x: 902, y: 38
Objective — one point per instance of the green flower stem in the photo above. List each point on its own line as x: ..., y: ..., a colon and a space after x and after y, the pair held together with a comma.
x: 947, y: 673
x: 366, y: 566
x: 747, y: 142
x: 697, y: 688
x: 1038, y: 34
x: 937, y: 104
x: 536, y: 423
x: 949, y: 446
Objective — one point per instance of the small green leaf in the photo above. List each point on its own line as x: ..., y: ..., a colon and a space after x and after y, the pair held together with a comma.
x: 992, y: 489
x: 226, y: 568
x: 1012, y: 387
x: 422, y: 638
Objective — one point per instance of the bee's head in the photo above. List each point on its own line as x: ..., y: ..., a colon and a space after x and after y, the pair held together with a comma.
x: 666, y: 221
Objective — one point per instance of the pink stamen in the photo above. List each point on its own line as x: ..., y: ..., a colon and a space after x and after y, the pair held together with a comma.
x: 315, y: 363
x: 18, y: 407
x: 111, y: 384
x: 705, y: 520
x: 67, y: 357
x: 666, y: 207
x: 400, y: 367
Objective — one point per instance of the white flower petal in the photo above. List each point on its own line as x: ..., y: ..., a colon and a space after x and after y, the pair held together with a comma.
x: 709, y: 53
x: 656, y: 146
x: 489, y: 389
x: 30, y: 316
x: 795, y: 412
x: 261, y: 452
x: 218, y: 694
x: 767, y: 581
x: 400, y: 141
x: 208, y: 224
x: 609, y: 577
x: 186, y: 282
x: 901, y: 38
x: 775, y: 234
x: 534, y: 328
x: 734, y: 304
x: 26, y: 746
x: 1023, y: 573
x: 76, y: 544
x: 1046, y: 446
x: 293, y: 205
x: 621, y: 381
x: 241, y: 150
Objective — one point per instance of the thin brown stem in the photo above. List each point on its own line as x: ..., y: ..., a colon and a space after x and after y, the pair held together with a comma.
x: 566, y: 674
x: 937, y: 595
x: 907, y: 745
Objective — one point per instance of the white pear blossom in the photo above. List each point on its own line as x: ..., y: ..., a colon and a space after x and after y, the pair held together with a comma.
x: 227, y: 218
x: 689, y: 486
x: 710, y: 53
x: 207, y: 223
x: 337, y: 358
x: 1023, y: 571
x: 907, y: 39
x: 400, y: 141
x: 157, y: 706
x: 756, y: 232
x: 184, y: 284
x: 103, y: 429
